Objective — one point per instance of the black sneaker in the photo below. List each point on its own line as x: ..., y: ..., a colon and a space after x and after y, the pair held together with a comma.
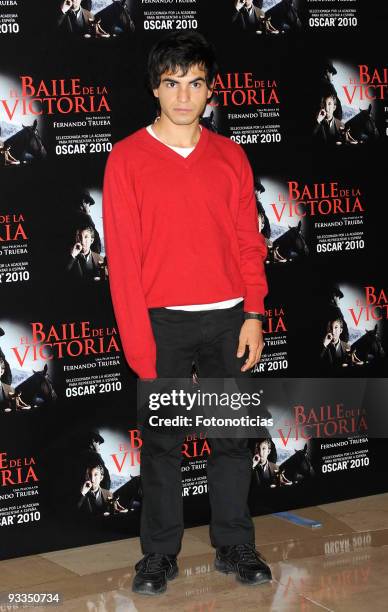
x: 152, y: 573
x: 243, y: 560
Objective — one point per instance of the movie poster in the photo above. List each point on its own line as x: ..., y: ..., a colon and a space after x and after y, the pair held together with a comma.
x: 349, y: 102
x: 282, y: 220
x: 318, y: 434
x: 246, y: 107
x: 56, y: 116
x: 49, y: 362
x: 333, y: 215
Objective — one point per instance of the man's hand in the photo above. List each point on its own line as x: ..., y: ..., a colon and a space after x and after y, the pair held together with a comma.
x: 321, y: 115
x: 239, y: 4
x: 327, y: 339
x: 66, y: 5
x: 251, y: 335
x: 86, y: 488
x: 76, y: 250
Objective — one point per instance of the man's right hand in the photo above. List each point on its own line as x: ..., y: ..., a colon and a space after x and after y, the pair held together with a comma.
x: 66, y: 6
x: 86, y: 487
x: 327, y: 340
x: 321, y: 115
x: 239, y: 4
x: 76, y: 250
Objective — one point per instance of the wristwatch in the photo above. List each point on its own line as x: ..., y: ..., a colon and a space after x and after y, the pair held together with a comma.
x: 254, y: 315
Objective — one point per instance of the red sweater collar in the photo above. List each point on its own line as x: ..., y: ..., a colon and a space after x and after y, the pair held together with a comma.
x: 160, y: 148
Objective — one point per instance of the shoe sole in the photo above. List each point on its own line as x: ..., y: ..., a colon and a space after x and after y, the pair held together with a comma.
x: 139, y: 591
x: 220, y: 566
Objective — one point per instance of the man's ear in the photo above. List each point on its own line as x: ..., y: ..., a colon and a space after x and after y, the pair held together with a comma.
x: 155, y: 92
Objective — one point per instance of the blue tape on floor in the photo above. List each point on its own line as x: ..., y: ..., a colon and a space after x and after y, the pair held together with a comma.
x: 297, y: 520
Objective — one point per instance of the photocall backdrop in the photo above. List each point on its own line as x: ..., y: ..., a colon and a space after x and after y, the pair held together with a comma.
x: 72, y: 86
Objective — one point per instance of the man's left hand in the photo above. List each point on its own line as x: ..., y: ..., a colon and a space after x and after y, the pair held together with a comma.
x: 251, y: 335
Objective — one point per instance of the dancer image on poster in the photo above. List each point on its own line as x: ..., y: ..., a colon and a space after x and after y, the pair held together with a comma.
x: 83, y: 263
x: 328, y: 129
x: 81, y: 217
x: 94, y: 500
x: 335, y: 351
x: 267, y: 473
x: 89, y: 453
x: 247, y: 17
x: 73, y: 18
x: 327, y: 88
x: 187, y: 284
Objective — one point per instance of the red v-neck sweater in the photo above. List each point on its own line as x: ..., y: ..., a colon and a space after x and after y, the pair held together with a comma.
x: 178, y: 231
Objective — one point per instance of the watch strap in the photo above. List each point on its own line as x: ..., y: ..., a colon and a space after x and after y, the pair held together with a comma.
x: 254, y: 315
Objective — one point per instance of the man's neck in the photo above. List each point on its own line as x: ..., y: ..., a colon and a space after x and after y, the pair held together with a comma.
x: 177, y: 135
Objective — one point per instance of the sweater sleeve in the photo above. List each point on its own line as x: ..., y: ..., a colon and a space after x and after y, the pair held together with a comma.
x: 252, y: 245
x: 122, y: 231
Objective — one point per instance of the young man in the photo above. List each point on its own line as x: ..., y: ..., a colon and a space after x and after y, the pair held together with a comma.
x: 187, y: 284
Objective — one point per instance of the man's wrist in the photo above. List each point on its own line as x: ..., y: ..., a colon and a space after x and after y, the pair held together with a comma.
x: 254, y: 315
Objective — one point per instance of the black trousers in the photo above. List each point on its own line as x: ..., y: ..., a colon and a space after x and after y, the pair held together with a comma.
x: 211, y: 339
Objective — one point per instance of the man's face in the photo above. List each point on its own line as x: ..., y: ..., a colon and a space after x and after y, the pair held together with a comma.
x: 76, y: 4
x: 183, y: 98
x: 96, y: 445
x: 95, y: 477
x: 330, y: 107
x: 264, y: 451
x: 85, y: 240
x: 336, y: 330
x: 248, y: 3
x: 2, y: 369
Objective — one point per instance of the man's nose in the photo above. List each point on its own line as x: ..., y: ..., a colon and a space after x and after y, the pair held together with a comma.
x: 183, y: 93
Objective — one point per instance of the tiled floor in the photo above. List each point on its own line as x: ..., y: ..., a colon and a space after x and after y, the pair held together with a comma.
x: 342, y: 566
